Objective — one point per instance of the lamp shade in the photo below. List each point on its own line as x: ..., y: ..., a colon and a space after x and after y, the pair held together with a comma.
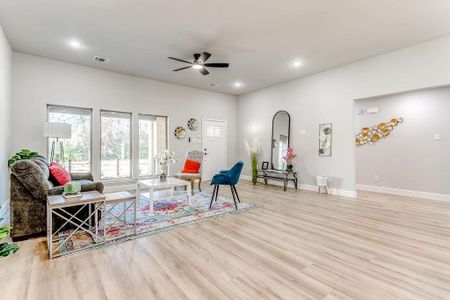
x: 57, y: 130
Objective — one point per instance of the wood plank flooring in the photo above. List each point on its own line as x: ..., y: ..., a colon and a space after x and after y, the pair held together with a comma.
x: 300, y: 245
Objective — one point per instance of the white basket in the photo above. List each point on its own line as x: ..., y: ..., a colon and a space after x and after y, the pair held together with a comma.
x: 322, y: 180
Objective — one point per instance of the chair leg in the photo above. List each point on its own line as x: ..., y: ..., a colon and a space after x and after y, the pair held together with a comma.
x: 212, y: 197
x: 192, y: 186
x: 235, y: 191
x: 200, y: 184
x: 232, y: 192
x: 217, y: 192
x: 234, y: 197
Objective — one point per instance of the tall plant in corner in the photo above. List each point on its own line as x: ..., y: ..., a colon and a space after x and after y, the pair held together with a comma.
x: 253, y: 150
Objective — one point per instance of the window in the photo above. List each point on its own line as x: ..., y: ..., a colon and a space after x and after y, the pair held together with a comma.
x: 115, y: 145
x: 77, y: 149
x: 152, y: 140
x: 213, y: 131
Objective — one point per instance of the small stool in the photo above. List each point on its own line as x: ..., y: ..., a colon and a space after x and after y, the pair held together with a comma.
x: 129, y: 202
x: 322, y: 182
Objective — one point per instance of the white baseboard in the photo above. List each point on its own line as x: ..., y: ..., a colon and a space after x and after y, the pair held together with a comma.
x: 309, y: 187
x: 403, y: 192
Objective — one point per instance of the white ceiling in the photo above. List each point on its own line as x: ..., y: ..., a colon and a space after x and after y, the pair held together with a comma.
x: 259, y: 38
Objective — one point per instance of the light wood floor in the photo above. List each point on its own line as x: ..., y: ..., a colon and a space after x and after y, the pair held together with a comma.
x: 300, y: 245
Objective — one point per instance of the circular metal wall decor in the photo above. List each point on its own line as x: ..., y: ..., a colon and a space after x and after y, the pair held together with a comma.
x: 180, y: 132
x: 192, y: 124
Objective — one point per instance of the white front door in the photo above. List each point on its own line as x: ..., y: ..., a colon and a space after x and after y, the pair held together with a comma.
x: 214, y: 146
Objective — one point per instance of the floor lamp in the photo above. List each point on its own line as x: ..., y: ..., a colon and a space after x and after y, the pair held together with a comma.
x: 57, y: 131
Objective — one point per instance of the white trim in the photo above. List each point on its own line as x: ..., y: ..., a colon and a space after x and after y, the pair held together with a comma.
x: 309, y: 187
x: 403, y: 192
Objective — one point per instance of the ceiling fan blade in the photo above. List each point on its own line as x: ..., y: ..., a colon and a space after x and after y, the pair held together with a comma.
x: 217, y: 65
x: 176, y: 70
x: 197, y: 56
x: 180, y: 60
x: 203, y: 71
x: 205, y: 56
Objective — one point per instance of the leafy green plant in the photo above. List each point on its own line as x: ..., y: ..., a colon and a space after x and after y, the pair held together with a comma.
x: 6, y: 248
x: 22, y: 154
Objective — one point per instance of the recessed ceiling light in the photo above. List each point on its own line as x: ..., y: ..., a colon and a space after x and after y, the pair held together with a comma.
x: 237, y: 84
x: 297, y: 63
x: 213, y: 85
x: 197, y: 66
x: 75, y: 44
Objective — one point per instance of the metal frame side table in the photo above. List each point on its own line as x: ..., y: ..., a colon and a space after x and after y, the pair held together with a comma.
x: 57, y: 206
x: 113, y: 200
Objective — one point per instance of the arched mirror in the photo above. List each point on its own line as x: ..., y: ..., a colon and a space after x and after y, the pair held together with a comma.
x: 281, y: 123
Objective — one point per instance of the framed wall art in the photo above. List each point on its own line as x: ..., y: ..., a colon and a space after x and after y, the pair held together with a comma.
x: 325, y: 139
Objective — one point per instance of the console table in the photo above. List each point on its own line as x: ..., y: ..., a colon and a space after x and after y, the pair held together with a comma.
x: 280, y: 175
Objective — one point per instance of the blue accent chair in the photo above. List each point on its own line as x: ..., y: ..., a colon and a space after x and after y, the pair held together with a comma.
x: 227, y: 177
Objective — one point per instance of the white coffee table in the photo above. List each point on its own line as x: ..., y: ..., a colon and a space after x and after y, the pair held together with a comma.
x: 156, y: 184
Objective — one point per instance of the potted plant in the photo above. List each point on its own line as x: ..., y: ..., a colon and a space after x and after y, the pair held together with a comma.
x: 22, y: 154
x: 165, y: 159
x: 253, y: 150
x: 6, y: 246
x: 289, y: 159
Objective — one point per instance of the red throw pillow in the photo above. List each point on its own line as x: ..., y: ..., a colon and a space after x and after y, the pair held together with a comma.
x: 59, y: 173
x: 191, y: 166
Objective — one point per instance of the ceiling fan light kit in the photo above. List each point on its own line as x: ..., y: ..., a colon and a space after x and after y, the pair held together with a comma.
x: 199, y: 63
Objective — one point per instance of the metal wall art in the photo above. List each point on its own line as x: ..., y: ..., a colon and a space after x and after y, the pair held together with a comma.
x: 180, y: 132
x: 370, y: 135
x: 192, y: 124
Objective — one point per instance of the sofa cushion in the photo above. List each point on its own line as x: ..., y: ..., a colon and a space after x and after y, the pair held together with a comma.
x: 43, y: 166
x: 86, y: 186
x: 59, y: 173
x: 31, y: 176
x: 41, y: 159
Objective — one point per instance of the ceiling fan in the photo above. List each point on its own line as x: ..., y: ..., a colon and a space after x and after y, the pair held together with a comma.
x: 199, y: 63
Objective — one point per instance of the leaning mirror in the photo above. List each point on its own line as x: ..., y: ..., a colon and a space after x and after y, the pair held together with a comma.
x: 280, y: 139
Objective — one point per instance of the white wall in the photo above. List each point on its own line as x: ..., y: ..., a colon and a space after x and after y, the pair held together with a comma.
x: 409, y: 158
x: 329, y: 97
x: 38, y: 81
x: 5, y: 100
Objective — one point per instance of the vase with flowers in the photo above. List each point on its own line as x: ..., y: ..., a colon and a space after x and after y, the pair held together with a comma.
x: 253, y: 150
x: 289, y: 159
x: 165, y: 159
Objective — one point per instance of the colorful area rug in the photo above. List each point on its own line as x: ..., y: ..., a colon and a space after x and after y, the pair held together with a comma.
x: 169, y: 213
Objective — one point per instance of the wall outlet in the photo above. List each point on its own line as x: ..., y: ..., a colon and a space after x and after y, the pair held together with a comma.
x: 436, y: 137
x: 376, y: 177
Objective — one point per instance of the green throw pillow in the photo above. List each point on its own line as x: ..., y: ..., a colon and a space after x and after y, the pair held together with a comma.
x: 72, y: 188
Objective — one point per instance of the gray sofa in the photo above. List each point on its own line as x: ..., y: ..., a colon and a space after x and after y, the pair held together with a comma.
x: 30, y: 186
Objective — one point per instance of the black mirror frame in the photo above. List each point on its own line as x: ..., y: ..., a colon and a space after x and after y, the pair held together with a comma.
x: 271, y: 140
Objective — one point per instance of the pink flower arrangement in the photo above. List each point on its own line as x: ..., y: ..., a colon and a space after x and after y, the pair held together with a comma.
x: 290, y: 156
